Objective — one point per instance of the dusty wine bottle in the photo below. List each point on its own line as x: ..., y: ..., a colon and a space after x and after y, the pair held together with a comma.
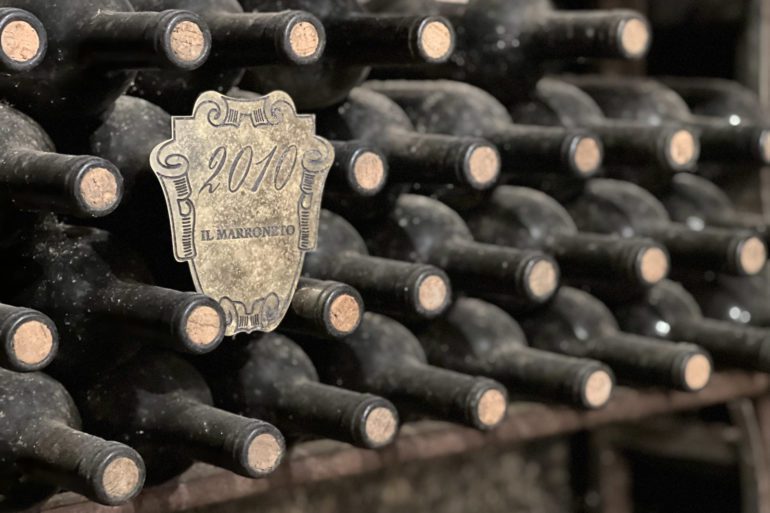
x: 740, y: 299
x: 159, y: 404
x: 386, y: 285
x: 323, y: 308
x: 456, y: 108
x: 355, y: 41
x: 238, y: 40
x: 668, y: 311
x: 719, y: 98
x: 521, y: 36
x: 525, y: 218
x: 635, y: 212
x: 652, y: 103
x: 382, y: 357
x: 697, y: 202
x: 29, y: 340
x: 92, y: 288
x: 43, y: 448
x: 23, y: 40
x: 425, y: 230
x: 97, y: 43
x: 577, y: 324
x: 478, y: 338
x: 269, y: 377
x: 34, y: 177
x: 413, y: 157
x: 631, y: 144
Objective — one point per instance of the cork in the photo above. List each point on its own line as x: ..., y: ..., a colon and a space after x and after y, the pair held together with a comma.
x: 753, y: 255
x: 635, y: 37
x: 265, y: 452
x: 491, y: 408
x: 32, y: 342
x: 99, y: 189
x: 654, y: 265
x: 697, y: 372
x: 203, y: 325
x: 20, y: 41
x: 121, y: 478
x: 304, y: 39
x: 587, y: 156
x: 187, y: 41
x: 436, y: 40
x: 369, y: 171
x: 381, y: 426
x: 432, y: 293
x: 345, y: 313
x: 484, y: 165
x: 682, y: 147
x: 543, y: 279
x: 764, y: 147
x: 598, y: 389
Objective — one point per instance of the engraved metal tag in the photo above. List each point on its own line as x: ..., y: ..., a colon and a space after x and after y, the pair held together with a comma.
x: 243, y: 181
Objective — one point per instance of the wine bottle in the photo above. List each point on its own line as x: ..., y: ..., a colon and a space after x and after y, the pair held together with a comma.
x: 97, y: 45
x: 525, y: 218
x: 697, y: 202
x: 740, y: 299
x: 478, y: 338
x: 160, y: 405
x: 719, y: 98
x: 652, y: 103
x: 383, y: 357
x: 268, y: 376
x: 622, y: 208
x: 668, y: 311
x: 323, y: 308
x: 386, y: 285
x: 23, y: 40
x: 29, y: 340
x: 578, y: 324
x: 34, y: 177
x: 239, y: 40
x: 43, y: 448
x: 519, y: 38
x: 669, y: 147
x: 355, y: 40
x: 425, y: 230
x: 456, y: 108
x: 413, y: 157
x: 91, y: 286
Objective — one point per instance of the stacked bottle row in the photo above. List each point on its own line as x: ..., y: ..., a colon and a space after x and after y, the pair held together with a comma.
x: 488, y: 233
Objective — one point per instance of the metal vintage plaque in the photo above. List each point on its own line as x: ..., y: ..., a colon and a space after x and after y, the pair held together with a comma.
x: 243, y: 181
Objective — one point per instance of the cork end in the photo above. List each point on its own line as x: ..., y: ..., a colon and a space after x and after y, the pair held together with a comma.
x: 345, y: 314
x: 491, y: 407
x: 203, y: 326
x: 381, y: 426
x: 432, y: 293
x: 436, y: 40
x: 187, y: 41
x: 587, y: 157
x: 265, y: 453
x: 304, y: 39
x: 32, y: 342
x: 99, y: 189
x: 121, y: 478
x: 484, y: 166
x: 598, y: 389
x: 543, y: 279
x: 697, y: 372
x: 369, y: 171
x: 683, y: 148
x: 764, y: 147
x: 752, y: 255
x: 653, y: 265
x: 20, y: 41
x: 635, y: 38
